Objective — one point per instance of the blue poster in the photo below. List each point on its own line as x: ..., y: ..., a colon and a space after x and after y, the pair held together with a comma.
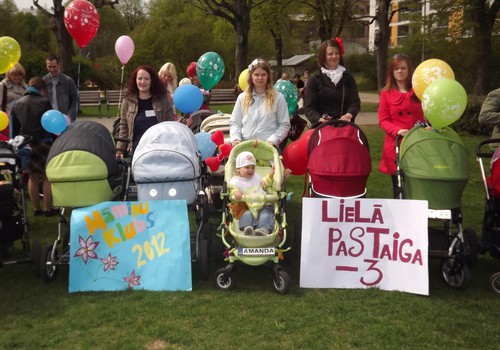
x: 130, y: 245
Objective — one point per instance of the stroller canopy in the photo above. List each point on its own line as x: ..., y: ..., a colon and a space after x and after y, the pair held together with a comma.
x: 82, y: 167
x: 435, y: 166
x: 339, y: 160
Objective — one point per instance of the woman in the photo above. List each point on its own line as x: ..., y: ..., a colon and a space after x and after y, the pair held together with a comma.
x: 331, y: 93
x: 399, y: 110
x: 259, y: 112
x: 146, y: 103
x: 11, y: 88
x: 168, y: 76
x: 26, y: 117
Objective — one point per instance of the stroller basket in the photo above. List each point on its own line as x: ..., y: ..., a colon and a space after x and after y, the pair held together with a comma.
x: 435, y: 167
x: 166, y: 163
x: 82, y: 167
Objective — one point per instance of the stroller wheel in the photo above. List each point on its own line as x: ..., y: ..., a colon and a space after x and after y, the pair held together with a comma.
x: 224, y: 280
x: 455, y: 273
x: 48, y: 266
x: 495, y: 282
x: 471, y: 247
x: 282, y: 283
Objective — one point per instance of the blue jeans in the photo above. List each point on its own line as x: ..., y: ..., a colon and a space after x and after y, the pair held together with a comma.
x: 265, y: 219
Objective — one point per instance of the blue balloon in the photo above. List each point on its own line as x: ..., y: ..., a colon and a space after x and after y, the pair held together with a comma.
x: 54, y: 121
x: 205, y: 144
x: 188, y: 98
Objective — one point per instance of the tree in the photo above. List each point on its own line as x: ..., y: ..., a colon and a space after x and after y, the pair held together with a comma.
x: 133, y: 12
x: 57, y: 26
x: 236, y: 12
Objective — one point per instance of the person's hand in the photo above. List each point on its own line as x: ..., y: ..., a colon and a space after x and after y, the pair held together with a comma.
x: 271, y: 173
x: 402, y: 132
x: 235, y: 142
x: 188, y: 122
x: 324, y: 118
x: 237, y: 195
x: 346, y: 117
x: 119, y: 154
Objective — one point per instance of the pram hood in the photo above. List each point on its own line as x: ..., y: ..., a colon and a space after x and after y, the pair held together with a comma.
x: 167, y: 152
x: 82, y: 167
x: 435, y: 166
x: 339, y: 160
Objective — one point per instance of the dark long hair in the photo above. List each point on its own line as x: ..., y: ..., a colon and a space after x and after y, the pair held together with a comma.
x: 157, y: 87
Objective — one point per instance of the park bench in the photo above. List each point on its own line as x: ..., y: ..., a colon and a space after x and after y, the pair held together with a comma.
x: 114, y: 98
x: 90, y: 98
x: 222, y: 96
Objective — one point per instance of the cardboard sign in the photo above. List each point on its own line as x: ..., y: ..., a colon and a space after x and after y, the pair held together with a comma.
x: 130, y: 245
x: 365, y: 243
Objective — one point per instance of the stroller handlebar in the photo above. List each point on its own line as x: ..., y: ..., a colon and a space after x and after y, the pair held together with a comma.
x: 489, y: 154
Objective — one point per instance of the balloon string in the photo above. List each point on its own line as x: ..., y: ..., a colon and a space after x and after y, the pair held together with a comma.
x: 120, y: 96
x: 78, y: 83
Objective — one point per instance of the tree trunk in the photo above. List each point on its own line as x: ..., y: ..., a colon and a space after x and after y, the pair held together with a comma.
x: 382, y: 40
x: 241, y: 53
x: 63, y: 38
x: 278, y: 45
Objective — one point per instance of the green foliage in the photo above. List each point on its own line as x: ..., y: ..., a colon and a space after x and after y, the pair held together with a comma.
x: 363, y: 67
x: 468, y: 121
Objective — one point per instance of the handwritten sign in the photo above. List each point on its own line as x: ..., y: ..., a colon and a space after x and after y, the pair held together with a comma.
x: 364, y: 243
x: 130, y: 245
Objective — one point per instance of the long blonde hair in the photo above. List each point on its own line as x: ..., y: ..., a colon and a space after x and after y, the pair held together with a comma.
x: 270, y: 94
x: 169, y: 67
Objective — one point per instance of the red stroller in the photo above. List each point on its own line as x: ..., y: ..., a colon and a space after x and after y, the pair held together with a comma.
x: 339, y: 161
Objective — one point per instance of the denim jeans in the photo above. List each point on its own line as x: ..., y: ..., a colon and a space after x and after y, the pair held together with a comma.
x: 265, y: 219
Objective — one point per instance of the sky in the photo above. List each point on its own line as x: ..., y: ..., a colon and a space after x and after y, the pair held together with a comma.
x: 25, y: 4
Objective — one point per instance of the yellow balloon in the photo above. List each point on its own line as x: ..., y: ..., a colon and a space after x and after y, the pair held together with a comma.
x: 427, y: 72
x: 4, y: 120
x: 10, y: 53
x: 243, y: 80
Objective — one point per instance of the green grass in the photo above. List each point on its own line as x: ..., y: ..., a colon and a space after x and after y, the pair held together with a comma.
x: 35, y: 315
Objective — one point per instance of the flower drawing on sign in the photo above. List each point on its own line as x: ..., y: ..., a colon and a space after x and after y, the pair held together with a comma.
x: 109, y: 262
x: 86, y: 249
x: 133, y: 280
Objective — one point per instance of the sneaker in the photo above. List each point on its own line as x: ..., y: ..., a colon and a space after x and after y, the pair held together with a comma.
x: 262, y: 232
x: 248, y: 231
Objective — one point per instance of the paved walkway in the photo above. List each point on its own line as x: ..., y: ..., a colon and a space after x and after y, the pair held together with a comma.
x: 363, y: 118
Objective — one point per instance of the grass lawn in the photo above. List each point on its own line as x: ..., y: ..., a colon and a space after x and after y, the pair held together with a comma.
x: 35, y: 315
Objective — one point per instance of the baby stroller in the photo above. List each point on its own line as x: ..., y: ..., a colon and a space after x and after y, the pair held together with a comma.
x: 13, y: 222
x: 213, y: 123
x: 83, y: 171
x: 491, y: 221
x: 433, y: 166
x: 255, y: 250
x: 346, y: 172
x: 167, y: 166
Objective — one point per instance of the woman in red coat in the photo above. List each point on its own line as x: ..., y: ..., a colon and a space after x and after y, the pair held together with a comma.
x: 398, y: 111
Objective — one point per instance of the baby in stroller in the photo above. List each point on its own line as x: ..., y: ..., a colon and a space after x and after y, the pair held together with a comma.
x: 266, y: 243
x: 247, y: 181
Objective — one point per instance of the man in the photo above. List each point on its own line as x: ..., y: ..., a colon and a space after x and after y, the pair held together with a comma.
x: 61, y: 89
x: 490, y: 112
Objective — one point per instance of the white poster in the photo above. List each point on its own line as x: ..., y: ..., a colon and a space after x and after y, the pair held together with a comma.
x: 364, y: 243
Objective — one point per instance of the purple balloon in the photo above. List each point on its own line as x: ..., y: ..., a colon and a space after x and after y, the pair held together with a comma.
x: 124, y: 48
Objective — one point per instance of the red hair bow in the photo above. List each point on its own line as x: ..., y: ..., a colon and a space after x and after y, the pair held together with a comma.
x: 341, y: 45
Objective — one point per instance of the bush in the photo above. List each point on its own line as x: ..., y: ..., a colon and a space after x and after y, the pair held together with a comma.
x: 364, y: 68
x: 468, y: 122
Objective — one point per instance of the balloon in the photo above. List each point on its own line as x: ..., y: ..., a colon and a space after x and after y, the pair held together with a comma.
x: 4, y: 120
x: 243, y: 79
x: 293, y: 158
x: 124, y: 48
x: 304, y: 140
x: 10, y: 53
x: 290, y: 92
x: 54, y: 121
x: 82, y: 21
x: 68, y: 122
x: 205, y: 144
x: 188, y: 98
x: 444, y: 102
x: 218, y: 137
x: 209, y: 69
x: 427, y: 72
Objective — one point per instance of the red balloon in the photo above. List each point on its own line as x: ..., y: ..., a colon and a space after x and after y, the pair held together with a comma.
x: 82, y: 21
x: 295, y: 158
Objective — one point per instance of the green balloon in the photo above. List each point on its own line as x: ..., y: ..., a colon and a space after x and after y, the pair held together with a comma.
x: 444, y: 102
x: 290, y: 92
x: 10, y: 53
x: 210, y: 69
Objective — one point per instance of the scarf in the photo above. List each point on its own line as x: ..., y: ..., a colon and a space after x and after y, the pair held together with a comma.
x: 334, y: 74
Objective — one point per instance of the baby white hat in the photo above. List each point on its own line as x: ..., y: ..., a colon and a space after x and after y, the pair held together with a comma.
x: 245, y: 158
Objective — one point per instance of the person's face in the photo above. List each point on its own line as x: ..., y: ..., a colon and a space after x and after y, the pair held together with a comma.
x: 52, y: 67
x: 401, y: 72
x: 143, y: 81
x: 247, y: 171
x: 16, y: 78
x: 259, y: 78
x: 166, y: 77
x: 332, y: 57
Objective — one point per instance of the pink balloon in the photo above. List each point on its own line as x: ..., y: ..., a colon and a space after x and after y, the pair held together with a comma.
x: 124, y: 48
